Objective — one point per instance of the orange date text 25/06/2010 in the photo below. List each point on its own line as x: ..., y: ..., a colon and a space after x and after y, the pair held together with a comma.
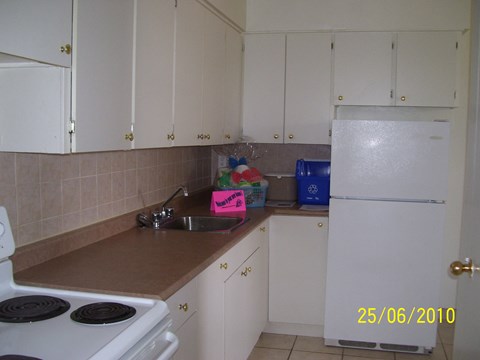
x: 401, y: 315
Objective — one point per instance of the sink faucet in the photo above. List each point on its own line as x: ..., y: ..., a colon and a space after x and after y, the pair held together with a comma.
x: 160, y: 216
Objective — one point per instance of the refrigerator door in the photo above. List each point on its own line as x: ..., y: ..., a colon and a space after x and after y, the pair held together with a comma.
x: 383, y: 159
x: 386, y: 259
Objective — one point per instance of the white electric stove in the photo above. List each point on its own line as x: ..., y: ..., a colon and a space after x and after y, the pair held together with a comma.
x: 50, y: 324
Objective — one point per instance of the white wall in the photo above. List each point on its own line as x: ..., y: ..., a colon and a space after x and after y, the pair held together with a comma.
x: 283, y: 15
x: 391, y: 15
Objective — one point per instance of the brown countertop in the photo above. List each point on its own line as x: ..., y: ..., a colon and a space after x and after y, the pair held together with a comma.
x: 144, y: 262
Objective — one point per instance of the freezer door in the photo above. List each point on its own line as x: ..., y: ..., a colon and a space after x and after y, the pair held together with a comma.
x: 384, y: 271
x: 390, y: 159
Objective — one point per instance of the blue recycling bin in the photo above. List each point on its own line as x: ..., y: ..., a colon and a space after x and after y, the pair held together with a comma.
x: 313, y: 181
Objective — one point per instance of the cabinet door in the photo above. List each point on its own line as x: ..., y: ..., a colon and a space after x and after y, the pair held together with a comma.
x: 36, y: 29
x: 233, y: 86
x: 297, y: 269
x: 264, y: 87
x: 102, y: 74
x: 34, y: 109
x: 363, y: 68
x: 426, y: 69
x: 189, y: 57
x: 307, y: 91
x: 213, y: 80
x: 246, y: 306
x: 188, y: 337
x: 154, y: 43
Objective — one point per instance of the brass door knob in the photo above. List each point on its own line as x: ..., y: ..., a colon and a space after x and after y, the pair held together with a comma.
x: 129, y: 136
x: 403, y: 98
x: 183, y: 307
x: 276, y: 136
x: 66, y: 49
x: 224, y: 266
x: 340, y: 97
x: 320, y: 224
x: 458, y: 268
x: 290, y: 136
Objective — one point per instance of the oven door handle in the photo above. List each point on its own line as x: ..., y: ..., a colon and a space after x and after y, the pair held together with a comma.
x: 171, y: 348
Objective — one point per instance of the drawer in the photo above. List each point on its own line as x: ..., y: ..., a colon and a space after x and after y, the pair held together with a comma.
x: 183, y: 304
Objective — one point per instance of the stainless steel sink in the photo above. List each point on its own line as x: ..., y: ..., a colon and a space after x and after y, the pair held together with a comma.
x: 204, y: 223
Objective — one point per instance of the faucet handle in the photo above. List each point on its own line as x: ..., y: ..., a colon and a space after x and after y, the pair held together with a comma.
x: 168, y: 212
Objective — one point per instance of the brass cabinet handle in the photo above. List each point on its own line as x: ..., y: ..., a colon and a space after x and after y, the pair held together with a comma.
x: 457, y: 267
x: 290, y: 136
x: 320, y: 224
x: 249, y: 269
x: 276, y: 136
x: 207, y: 136
x: 244, y: 272
x: 263, y: 229
x: 129, y: 136
x: 340, y: 97
x: 403, y: 98
x: 183, y: 307
x: 224, y: 266
x: 227, y: 136
x: 200, y: 136
x: 66, y: 49
x: 171, y: 136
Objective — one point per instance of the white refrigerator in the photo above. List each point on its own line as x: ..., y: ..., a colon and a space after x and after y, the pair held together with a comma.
x: 386, y: 229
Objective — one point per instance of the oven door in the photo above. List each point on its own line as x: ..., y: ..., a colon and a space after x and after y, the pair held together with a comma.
x: 158, y: 344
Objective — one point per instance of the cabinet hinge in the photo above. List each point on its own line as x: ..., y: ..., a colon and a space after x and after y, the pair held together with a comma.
x: 176, y: 3
x: 393, y: 45
x: 330, y: 132
x: 456, y: 45
x: 455, y: 95
x: 391, y: 94
x: 331, y: 45
x: 243, y: 46
x: 72, y: 127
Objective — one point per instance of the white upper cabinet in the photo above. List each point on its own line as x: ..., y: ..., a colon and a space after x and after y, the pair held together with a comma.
x: 102, y: 74
x: 188, y: 98
x: 307, y: 88
x: 287, y: 88
x: 401, y: 69
x: 426, y: 69
x: 264, y: 87
x: 362, y: 72
x: 39, y: 30
x: 154, y: 56
x: 233, y: 86
x: 207, y: 76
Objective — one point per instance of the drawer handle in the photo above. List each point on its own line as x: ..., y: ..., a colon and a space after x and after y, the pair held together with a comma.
x: 246, y: 271
x: 263, y: 229
x: 183, y: 307
x: 224, y: 266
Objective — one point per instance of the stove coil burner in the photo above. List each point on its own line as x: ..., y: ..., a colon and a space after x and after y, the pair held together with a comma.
x: 31, y: 308
x: 17, y: 357
x: 102, y: 313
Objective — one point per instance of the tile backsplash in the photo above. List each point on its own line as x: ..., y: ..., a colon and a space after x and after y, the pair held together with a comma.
x: 46, y: 195
x: 281, y: 158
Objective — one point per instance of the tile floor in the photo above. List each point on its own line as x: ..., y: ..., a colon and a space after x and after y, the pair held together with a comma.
x: 291, y: 347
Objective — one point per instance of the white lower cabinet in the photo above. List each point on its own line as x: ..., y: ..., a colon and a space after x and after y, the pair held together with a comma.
x: 183, y: 311
x: 297, y: 274
x: 232, y: 308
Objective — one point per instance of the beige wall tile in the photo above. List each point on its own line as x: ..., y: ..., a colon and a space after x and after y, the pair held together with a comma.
x: 28, y: 202
x: 89, y: 194
x: 27, y: 168
x: 51, y: 199
x: 50, y: 168
x: 71, y: 195
x: 7, y: 164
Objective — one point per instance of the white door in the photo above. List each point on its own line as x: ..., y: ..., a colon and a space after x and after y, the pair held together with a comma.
x: 362, y: 72
x: 307, y: 91
x: 426, y: 68
x: 466, y: 344
x: 389, y: 159
x: 264, y: 87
